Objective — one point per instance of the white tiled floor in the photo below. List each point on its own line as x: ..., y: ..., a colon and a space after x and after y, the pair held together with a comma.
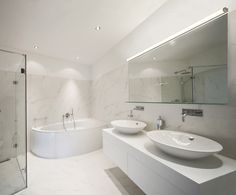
x: 80, y: 175
x: 10, y: 177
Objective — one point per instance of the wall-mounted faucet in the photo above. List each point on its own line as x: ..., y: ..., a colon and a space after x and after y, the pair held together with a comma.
x: 191, y: 112
x: 139, y: 108
x: 130, y: 115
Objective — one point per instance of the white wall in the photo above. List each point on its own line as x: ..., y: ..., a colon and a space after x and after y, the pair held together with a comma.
x: 110, y: 90
x: 53, y: 67
x: 54, y: 88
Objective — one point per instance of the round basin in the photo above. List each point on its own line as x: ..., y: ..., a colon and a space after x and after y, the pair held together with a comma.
x: 128, y: 126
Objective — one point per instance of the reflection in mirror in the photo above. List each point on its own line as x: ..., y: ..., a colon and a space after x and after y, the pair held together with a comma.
x: 191, y: 68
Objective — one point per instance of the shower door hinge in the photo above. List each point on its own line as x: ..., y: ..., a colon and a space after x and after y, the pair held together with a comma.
x: 22, y: 70
x: 15, y: 145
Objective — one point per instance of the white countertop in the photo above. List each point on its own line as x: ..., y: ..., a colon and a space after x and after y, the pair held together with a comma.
x: 199, y: 171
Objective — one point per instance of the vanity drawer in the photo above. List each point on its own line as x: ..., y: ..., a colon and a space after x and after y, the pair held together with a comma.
x: 116, y: 151
x: 150, y: 182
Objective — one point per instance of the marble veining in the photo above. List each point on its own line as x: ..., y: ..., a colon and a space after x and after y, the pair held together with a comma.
x: 50, y: 97
x: 109, y: 94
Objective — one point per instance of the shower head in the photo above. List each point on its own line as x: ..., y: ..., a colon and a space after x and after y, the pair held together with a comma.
x: 184, y: 71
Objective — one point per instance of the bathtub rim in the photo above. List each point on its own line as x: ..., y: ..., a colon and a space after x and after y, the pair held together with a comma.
x: 100, y: 125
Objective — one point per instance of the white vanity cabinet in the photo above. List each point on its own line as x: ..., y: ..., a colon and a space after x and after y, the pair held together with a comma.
x: 159, y: 174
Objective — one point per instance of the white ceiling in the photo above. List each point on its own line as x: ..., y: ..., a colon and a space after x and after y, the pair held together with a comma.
x: 65, y: 28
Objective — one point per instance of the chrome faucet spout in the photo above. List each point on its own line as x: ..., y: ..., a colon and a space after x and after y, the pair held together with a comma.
x: 184, y: 116
x: 191, y: 112
x: 68, y: 116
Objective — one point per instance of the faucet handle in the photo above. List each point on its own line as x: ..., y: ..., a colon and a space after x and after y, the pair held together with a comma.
x: 67, y: 115
x: 130, y: 115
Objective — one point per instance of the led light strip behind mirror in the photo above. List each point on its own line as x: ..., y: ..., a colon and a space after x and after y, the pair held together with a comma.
x: 184, y: 31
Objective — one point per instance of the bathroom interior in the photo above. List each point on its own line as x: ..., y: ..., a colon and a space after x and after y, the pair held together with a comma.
x: 118, y: 97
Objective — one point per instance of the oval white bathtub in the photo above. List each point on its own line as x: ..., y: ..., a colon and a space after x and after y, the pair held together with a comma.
x: 54, y: 141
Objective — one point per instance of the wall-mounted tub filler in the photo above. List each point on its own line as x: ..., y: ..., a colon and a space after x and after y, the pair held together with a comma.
x: 191, y: 112
x: 68, y: 116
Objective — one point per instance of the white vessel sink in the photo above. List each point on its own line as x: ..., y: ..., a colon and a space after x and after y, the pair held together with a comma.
x: 128, y: 126
x: 184, y: 145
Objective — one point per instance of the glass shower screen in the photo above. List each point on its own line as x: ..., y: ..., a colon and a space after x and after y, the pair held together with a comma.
x: 13, y: 164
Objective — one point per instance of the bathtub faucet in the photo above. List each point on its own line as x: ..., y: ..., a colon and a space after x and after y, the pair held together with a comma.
x: 67, y: 116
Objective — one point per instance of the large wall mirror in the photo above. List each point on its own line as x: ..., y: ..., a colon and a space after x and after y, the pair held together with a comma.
x: 190, y: 68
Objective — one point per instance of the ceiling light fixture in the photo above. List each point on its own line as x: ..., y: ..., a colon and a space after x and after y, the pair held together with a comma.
x: 36, y: 47
x: 213, y: 16
x: 98, y: 28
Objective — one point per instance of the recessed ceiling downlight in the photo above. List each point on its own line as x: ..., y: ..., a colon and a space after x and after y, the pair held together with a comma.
x: 98, y: 28
x: 36, y: 47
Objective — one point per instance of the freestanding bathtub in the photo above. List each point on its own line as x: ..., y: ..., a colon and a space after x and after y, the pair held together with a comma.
x: 58, y: 141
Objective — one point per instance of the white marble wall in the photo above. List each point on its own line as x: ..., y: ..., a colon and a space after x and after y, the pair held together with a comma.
x: 55, y: 87
x: 109, y: 94
x: 50, y: 97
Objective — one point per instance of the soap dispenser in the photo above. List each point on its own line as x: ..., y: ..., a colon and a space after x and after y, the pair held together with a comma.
x: 160, y: 123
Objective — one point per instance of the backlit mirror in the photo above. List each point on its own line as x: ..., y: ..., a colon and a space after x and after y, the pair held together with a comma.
x: 191, y: 68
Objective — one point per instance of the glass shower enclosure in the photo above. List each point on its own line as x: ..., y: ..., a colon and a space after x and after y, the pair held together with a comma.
x: 13, y: 133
